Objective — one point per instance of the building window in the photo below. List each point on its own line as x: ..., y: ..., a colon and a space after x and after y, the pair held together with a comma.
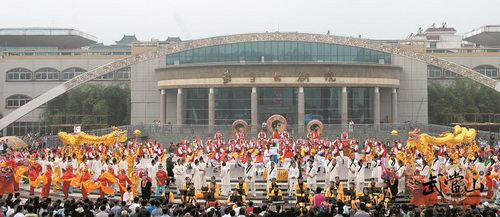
x: 72, y: 72
x: 278, y: 51
x: 433, y: 72
x: 322, y: 103
x: 123, y: 74
x: 196, y: 105
x: 16, y: 101
x: 45, y: 74
x: 106, y: 77
x: 23, y: 128
x: 19, y: 74
x: 232, y: 103
x: 487, y: 70
x: 278, y: 100
x: 449, y: 74
x: 432, y: 44
x: 360, y: 104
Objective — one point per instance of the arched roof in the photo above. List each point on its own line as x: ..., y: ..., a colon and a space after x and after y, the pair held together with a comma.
x: 251, y: 37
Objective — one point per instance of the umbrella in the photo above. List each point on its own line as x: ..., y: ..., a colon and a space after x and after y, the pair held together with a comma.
x: 14, y: 142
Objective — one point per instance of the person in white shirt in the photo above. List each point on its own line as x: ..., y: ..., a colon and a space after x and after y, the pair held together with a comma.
x: 225, y: 174
x: 179, y: 174
x: 312, y: 172
x: 128, y: 196
x: 249, y: 171
x: 293, y: 175
x: 352, y: 167
x: 360, y: 175
x: 134, y: 205
x: 334, y: 169
x: 272, y: 172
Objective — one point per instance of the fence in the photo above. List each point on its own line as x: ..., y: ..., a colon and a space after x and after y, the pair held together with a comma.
x: 175, y: 133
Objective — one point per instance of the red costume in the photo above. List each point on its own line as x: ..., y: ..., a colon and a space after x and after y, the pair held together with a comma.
x: 83, y: 178
x: 33, y: 173
x: 68, y: 174
x: 47, y: 182
x: 161, y: 177
x: 123, y: 179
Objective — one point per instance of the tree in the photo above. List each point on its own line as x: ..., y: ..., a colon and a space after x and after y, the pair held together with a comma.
x: 461, y: 96
x: 92, y: 99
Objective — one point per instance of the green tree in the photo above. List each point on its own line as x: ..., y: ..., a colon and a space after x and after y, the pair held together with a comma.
x: 92, y: 99
x: 462, y: 95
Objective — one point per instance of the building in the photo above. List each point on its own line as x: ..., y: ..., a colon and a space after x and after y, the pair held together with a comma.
x: 215, y: 81
x: 34, y: 60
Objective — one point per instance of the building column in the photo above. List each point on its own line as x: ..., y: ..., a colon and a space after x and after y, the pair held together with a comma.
x: 211, y: 110
x: 300, y: 110
x: 343, y: 106
x: 394, y: 107
x: 180, y: 107
x: 254, y: 111
x: 376, y: 106
x: 163, y: 106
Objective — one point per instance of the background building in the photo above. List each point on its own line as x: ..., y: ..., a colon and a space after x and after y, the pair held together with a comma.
x: 217, y: 80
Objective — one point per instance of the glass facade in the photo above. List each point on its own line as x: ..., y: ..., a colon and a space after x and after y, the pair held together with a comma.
x: 360, y: 105
x: 195, y: 105
x: 281, y: 51
x: 232, y: 104
x: 278, y: 100
x: 322, y: 103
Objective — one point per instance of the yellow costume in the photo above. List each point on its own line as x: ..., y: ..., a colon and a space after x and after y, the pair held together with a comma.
x: 242, y: 188
x: 170, y: 197
x: 214, y: 188
x: 274, y: 193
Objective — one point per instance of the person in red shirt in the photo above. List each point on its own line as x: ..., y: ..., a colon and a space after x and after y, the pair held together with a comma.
x: 33, y: 173
x: 161, y: 180
x: 123, y: 179
x: 47, y: 182
x: 68, y: 174
x: 85, y: 176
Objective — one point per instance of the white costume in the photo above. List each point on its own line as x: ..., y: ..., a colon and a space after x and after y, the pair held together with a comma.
x: 197, y: 177
x: 225, y: 174
x: 293, y: 175
x: 311, y: 177
x: 249, y: 171
x: 180, y: 176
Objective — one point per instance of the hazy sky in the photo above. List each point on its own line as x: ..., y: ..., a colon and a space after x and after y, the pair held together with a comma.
x: 193, y: 19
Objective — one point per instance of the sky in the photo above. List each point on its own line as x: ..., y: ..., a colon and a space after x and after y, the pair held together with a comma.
x: 109, y: 20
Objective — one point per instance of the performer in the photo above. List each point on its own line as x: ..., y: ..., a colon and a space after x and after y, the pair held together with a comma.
x: 360, y: 175
x: 225, y: 175
x: 85, y: 176
x: 33, y: 174
x: 161, y: 180
x: 293, y: 175
x: 272, y: 172
x: 68, y: 174
x: 300, y: 187
x: 123, y: 179
x: 353, y: 168
x: 47, y: 182
x: 311, y: 175
x: 235, y: 194
x: 180, y: 174
x: 241, y: 187
x: 274, y: 192
x: 249, y: 173
x: 213, y: 187
x: 168, y: 196
x: 146, y: 186
x: 197, y: 174
x: 189, y: 192
x: 332, y: 192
